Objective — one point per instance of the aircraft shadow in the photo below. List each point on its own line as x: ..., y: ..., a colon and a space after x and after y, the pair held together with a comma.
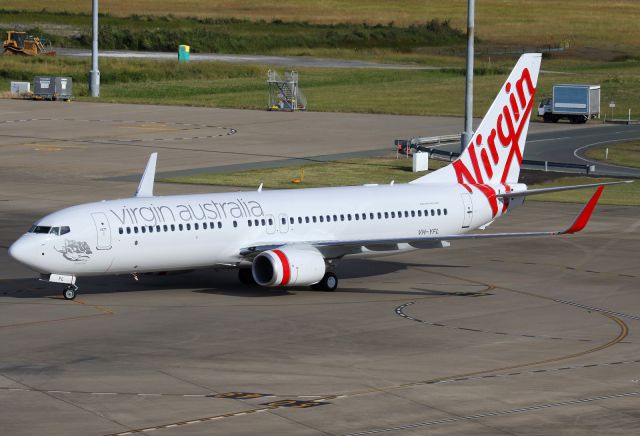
x: 220, y: 282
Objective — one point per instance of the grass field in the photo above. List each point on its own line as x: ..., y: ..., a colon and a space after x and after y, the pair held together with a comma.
x: 368, y: 91
x: 611, y: 25
x: 384, y: 170
x: 315, y: 175
x: 227, y: 35
x: 625, y: 154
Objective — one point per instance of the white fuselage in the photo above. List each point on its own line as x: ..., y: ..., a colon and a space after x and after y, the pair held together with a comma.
x: 198, y: 231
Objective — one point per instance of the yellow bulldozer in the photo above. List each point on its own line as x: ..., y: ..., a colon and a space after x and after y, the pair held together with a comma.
x: 19, y: 43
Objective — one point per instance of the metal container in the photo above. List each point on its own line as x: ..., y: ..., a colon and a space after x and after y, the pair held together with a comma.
x: 19, y: 89
x: 53, y: 88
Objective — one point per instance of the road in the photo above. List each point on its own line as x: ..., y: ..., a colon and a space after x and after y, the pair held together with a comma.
x: 280, y: 61
x: 568, y: 144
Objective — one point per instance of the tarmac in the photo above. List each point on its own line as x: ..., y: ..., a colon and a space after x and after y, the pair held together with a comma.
x: 513, y: 337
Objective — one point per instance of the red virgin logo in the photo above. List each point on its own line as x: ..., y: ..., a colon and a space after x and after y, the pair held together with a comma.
x: 491, y: 162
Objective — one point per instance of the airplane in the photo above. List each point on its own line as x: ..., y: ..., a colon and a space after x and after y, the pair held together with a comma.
x: 295, y: 237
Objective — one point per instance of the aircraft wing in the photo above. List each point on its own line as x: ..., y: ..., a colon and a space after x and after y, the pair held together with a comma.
x: 436, y: 241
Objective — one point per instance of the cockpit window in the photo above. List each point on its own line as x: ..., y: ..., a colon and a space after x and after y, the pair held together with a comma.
x: 62, y: 230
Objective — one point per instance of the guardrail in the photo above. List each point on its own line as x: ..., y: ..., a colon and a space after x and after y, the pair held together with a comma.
x: 406, y: 145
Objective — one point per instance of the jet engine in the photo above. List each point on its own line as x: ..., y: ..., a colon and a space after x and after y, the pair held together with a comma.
x: 288, y: 266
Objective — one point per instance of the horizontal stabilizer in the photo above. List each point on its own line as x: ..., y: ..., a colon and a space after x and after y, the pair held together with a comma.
x: 556, y: 189
x: 145, y: 188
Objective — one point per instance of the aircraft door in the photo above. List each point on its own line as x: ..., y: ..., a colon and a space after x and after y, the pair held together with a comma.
x: 467, y: 210
x: 103, y: 230
x: 283, y: 223
x: 271, y: 225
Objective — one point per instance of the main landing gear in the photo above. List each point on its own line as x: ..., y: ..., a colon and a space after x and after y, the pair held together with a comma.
x: 69, y: 292
x: 329, y: 283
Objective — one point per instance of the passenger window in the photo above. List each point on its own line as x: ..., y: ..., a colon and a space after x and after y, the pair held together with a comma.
x: 150, y: 229
x: 165, y: 228
x: 263, y: 222
x: 270, y: 221
x: 335, y: 218
x: 188, y: 226
x: 120, y: 230
x: 341, y: 217
x: 364, y: 216
x: 249, y: 223
x: 158, y: 228
x: 371, y: 216
x: 349, y: 216
x: 386, y: 215
x: 433, y: 212
x: 299, y: 220
x: 235, y: 223
x: 438, y: 212
x: 445, y: 211
x: 313, y: 218
x: 413, y: 214
x: 143, y: 229
x: 128, y: 230
x: 219, y: 224
x: 357, y: 216
x: 379, y: 215
x: 419, y: 213
x: 328, y: 218
x: 135, y: 230
x: 399, y: 214
x: 196, y: 226
x: 291, y: 220
x: 64, y: 230
x: 393, y: 214
x: 204, y: 226
x: 180, y: 227
x: 321, y: 218
x: 173, y: 227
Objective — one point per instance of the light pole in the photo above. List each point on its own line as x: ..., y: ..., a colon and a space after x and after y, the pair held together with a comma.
x: 468, y: 97
x: 94, y: 84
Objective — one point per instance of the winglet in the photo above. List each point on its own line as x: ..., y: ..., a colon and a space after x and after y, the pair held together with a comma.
x: 582, y: 219
x: 145, y: 188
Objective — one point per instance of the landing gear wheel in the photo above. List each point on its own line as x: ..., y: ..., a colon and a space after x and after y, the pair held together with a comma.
x: 69, y: 292
x: 245, y: 275
x: 329, y: 283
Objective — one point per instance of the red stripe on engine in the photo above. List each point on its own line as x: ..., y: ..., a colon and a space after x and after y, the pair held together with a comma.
x: 286, y: 270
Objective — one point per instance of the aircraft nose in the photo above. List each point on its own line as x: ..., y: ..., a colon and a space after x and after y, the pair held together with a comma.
x: 24, y: 251
x: 18, y: 250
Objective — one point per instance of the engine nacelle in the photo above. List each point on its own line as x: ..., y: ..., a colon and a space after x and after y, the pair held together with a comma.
x: 289, y: 266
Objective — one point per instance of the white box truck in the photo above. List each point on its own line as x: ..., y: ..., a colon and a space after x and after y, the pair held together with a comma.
x: 576, y: 103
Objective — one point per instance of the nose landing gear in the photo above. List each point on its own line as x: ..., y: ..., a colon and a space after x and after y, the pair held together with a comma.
x: 69, y: 292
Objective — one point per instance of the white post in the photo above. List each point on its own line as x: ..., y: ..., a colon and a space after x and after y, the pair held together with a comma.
x: 468, y: 94
x: 95, y: 73
x: 606, y: 153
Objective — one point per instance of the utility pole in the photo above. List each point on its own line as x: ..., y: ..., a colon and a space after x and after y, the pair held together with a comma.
x: 468, y: 97
x: 94, y: 84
